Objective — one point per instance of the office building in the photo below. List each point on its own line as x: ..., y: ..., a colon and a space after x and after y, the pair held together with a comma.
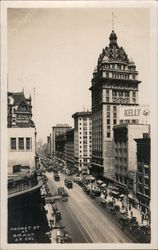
x: 82, y: 140
x: 114, y: 83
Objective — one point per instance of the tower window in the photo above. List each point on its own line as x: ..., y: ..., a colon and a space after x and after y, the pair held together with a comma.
x: 28, y: 143
x: 13, y: 143
x: 108, y: 121
x: 107, y: 99
x: 108, y: 135
x: 114, y: 108
x: 108, y: 107
x: 114, y: 93
x: 21, y: 143
x: 133, y: 76
x: 107, y: 92
x: 114, y: 121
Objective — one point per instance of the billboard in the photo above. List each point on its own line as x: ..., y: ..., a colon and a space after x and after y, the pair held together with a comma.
x: 141, y: 113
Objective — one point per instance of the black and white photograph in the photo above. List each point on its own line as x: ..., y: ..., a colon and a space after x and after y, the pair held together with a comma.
x: 78, y: 125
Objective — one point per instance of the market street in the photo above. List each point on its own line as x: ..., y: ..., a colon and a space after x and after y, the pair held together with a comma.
x: 83, y: 219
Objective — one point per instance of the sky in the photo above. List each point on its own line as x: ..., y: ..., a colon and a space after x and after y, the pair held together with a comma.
x: 52, y: 54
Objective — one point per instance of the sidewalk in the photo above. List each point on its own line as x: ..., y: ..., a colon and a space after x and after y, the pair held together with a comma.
x: 51, y: 222
x: 134, y: 212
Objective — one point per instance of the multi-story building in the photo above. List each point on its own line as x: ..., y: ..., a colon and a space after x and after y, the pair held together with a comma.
x: 60, y: 141
x: 125, y: 153
x: 82, y: 140
x: 57, y: 130
x: 114, y: 83
x: 143, y: 185
x: 19, y: 110
x: 21, y: 133
x: 69, y: 149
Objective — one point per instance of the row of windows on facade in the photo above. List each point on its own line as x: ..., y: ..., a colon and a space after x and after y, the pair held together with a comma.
x: 120, y: 76
x: 144, y: 170
x: 120, y: 93
x: 84, y: 119
x: 85, y: 146
x: 85, y: 133
x: 121, y: 87
x: 108, y: 114
x: 85, y: 137
x: 85, y: 123
x: 18, y: 143
x: 142, y: 190
x: 85, y: 141
x: 84, y: 160
x: 114, y: 108
x: 145, y: 181
x: 116, y: 66
x: 108, y: 121
x: 84, y: 128
x: 120, y: 100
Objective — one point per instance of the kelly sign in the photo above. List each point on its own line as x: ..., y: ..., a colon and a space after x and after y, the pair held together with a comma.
x: 140, y: 113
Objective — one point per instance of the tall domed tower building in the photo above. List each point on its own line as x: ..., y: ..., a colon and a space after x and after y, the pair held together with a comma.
x: 114, y: 83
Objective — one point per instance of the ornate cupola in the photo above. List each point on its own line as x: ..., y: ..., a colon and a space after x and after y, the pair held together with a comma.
x: 113, y: 62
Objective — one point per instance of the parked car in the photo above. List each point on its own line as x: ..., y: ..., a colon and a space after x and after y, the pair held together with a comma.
x: 56, y: 177
x: 68, y: 183
x: 58, y: 215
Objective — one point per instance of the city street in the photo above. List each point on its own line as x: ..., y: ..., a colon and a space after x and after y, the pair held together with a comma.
x: 83, y: 219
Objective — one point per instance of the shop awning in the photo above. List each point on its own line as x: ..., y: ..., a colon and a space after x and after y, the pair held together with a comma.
x: 121, y: 195
x: 99, y: 182
x: 92, y: 178
x: 114, y: 192
x: 103, y: 185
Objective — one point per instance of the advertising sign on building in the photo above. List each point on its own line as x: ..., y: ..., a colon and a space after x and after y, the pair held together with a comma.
x: 141, y: 113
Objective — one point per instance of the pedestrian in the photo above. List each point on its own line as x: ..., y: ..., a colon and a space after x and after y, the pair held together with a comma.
x: 129, y: 207
x: 123, y: 226
x: 131, y: 214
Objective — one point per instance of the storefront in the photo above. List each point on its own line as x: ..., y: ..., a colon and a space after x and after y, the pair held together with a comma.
x: 143, y: 203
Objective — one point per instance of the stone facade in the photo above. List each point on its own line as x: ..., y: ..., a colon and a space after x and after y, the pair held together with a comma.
x: 82, y: 139
x: 114, y: 83
x: 126, y: 152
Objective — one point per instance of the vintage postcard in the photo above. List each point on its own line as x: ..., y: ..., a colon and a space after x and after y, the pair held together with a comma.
x: 79, y: 125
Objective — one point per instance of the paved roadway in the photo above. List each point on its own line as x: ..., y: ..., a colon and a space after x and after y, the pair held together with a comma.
x: 83, y: 219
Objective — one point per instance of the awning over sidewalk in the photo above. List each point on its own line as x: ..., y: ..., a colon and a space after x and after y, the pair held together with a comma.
x: 114, y: 192
x: 99, y: 182
x: 103, y: 185
x: 121, y: 195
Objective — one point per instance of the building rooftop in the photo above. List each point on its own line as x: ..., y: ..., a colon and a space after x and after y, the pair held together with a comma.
x: 83, y: 113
